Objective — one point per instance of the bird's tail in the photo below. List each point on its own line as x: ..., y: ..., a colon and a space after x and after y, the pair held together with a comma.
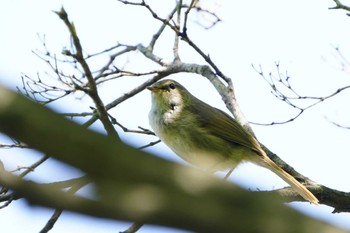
x: 296, y: 185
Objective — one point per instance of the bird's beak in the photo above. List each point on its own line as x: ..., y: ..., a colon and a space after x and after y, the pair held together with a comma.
x: 153, y: 89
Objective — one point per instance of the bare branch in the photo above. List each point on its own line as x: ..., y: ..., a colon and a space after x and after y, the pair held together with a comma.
x: 42, y: 92
x: 133, y: 228
x: 283, y: 90
x: 79, y: 50
x: 111, y: 60
x: 337, y: 124
x: 103, y: 51
x: 193, y: 3
x: 92, y: 91
x: 339, y: 200
x: 51, y: 222
x: 88, y: 81
x: 161, y: 29
x: 12, y: 196
x: 123, y: 73
x: 115, y: 182
x: 78, y: 184
x: 340, y: 5
x: 34, y: 165
x: 210, y: 17
x: 176, y: 41
x: 125, y: 129
x: 16, y: 145
x: 149, y: 144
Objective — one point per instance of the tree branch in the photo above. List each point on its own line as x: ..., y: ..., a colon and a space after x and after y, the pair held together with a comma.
x: 92, y: 91
x: 340, y: 5
x: 114, y: 191
x: 57, y: 213
x: 284, y: 91
x: 135, y: 186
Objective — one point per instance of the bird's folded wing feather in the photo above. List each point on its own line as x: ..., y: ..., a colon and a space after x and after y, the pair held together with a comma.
x: 222, y: 125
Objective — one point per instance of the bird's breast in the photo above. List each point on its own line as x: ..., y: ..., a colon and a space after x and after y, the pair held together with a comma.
x: 183, y: 135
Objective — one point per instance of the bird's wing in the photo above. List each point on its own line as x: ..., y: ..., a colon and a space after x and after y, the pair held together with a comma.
x: 222, y: 125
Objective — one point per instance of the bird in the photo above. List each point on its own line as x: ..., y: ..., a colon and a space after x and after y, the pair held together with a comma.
x: 206, y: 136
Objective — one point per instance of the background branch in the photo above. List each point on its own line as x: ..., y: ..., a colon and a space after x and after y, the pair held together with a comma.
x: 120, y: 190
x: 283, y: 90
x: 74, y: 73
x: 92, y: 91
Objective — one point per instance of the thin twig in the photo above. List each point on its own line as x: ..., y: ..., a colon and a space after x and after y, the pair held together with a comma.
x: 229, y: 173
x: 103, y: 51
x: 78, y: 184
x: 186, y: 15
x: 17, y: 145
x: 133, y: 228
x: 176, y: 41
x: 34, y: 165
x: 149, y: 144
x: 111, y: 60
x: 92, y: 91
x: 283, y: 90
x: 29, y: 169
x: 51, y: 222
x: 125, y: 129
x: 337, y: 124
x: 339, y: 5
x: 156, y: 36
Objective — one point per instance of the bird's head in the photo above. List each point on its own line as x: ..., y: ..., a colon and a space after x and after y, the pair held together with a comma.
x: 169, y: 94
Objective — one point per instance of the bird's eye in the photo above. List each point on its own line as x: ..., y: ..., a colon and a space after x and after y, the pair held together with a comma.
x: 172, y: 86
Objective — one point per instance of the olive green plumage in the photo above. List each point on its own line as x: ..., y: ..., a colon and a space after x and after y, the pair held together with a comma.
x: 206, y: 136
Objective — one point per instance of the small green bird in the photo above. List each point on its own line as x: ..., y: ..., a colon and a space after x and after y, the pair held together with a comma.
x: 206, y: 136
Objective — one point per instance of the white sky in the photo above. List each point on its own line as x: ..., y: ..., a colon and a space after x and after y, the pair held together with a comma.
x: 299, y: 34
